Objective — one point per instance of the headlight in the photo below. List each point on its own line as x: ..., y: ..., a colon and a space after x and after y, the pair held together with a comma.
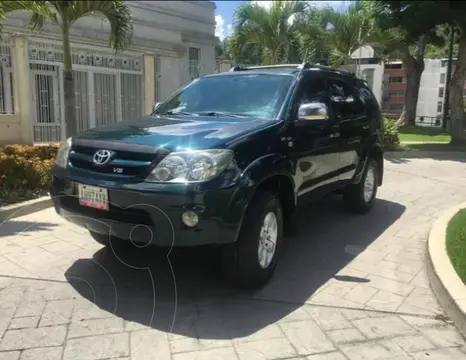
x: 62, y: 154
x: 191, y: 166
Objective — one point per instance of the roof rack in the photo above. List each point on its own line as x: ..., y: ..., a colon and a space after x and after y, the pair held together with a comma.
x: 303, y: 66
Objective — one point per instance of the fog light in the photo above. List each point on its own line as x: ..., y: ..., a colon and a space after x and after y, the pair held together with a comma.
x: 190, y: 218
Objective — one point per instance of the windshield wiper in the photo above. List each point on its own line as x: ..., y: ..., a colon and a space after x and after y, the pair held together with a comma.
x: 217, y: 113
x: 170, y: 112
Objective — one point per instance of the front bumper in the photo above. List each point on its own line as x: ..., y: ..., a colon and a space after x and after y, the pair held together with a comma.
x: 150, y: 217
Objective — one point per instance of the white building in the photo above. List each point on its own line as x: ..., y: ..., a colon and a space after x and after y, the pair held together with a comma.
x: 173, y: 42
x: 369, y: 68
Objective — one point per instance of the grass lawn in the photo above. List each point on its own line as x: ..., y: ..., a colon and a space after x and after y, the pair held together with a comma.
x: 423, y: 134
x: 456, y: 243
x: 434, y: 147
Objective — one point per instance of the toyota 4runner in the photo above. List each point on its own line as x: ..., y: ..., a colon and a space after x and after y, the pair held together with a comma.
x: 226, y: 160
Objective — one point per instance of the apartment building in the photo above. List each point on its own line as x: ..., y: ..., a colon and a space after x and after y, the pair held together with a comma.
x: 173, y: 42
x: 431, y: 91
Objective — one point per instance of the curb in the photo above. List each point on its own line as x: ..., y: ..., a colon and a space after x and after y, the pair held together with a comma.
x: 446, y: 284
x: 24, y: 208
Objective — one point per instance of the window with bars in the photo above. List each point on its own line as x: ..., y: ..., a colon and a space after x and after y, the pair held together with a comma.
x: 6, y: 91
x: 441, y: 92
x: 395, y: 79
x: 439, y: 107
x: 194, y: 62
x: 442, y: 78
x: 158, y: 79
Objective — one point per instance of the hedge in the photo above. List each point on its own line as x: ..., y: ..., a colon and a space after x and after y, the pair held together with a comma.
x: 25, y: 171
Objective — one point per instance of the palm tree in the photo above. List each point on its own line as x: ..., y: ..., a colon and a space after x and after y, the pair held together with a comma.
x: 311, y: 33
x: 348, y: 31
x: 273, y: 28
x: 65, y: 14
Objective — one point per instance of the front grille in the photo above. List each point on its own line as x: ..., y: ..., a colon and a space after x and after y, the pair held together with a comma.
x: 123, y: 164
x: 115, y: 213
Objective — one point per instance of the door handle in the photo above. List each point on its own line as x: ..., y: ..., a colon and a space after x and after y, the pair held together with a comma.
x: 335, y: 135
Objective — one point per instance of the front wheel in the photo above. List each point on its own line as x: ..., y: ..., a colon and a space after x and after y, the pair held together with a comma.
x: 359, y: 198
x: 250, y: 262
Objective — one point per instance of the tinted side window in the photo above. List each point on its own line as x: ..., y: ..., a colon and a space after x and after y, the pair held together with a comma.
x: 345, y: 104
x: 367, y: 98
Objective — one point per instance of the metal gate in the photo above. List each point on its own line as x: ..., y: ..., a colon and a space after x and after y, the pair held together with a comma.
x: 107, y: 89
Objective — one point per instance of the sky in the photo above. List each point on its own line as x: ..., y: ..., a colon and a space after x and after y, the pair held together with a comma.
x: 226, y: 9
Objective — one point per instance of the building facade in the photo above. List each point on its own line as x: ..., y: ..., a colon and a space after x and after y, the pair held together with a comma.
x: 173, y: 42
x: 431, y: 91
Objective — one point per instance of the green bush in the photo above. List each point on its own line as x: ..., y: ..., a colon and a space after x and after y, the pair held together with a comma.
x: 25, y: 171
x: 391, y: 140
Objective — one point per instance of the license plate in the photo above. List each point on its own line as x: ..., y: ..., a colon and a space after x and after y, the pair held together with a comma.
x: 93, y: 196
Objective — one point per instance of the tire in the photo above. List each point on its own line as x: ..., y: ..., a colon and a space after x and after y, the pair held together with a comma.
x: 355, y: 198
x: 240, y: 260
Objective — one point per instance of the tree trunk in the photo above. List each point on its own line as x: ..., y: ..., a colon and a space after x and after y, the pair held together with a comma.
x: 458, y: 135
x: 414, y: 66
x: 446, y: 103
x: 68, y: 86
x: 413, y: 76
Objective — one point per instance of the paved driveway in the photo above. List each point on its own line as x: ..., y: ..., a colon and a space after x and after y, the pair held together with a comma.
x: 348, y: 287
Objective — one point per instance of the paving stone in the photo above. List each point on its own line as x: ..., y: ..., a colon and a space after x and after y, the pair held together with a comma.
x: 328, y: 318
x: 361, y: 294
x: 269, y: 332
x: 389, y: 285
x: 30, y: 309
x: 345, y: 335
x: 440, y: 354
x: 5, y: 318
x: 335, y: 288
x: 419, y: 322
x: 10, y: 355
x: 31, y: 338
x: 50, y: 353
x: 95, y: 327
x: 146, y: 343
x: 186, y: 344
x: 385, y: 301
x: 306, y: 337
x: 90, y: 311
x: 367, y: 351
x: 98, y: 347
x: 227, y: 353
x: 57, y: 312
x: 265, y: 349
x: 380, y: 327
x: 409, y: 344
x: 24, y: 322
x: 59, y: 247
x: 328, y: 356
x: 444, y: 337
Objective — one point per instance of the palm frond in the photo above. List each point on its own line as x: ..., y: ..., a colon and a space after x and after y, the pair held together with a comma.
x: 116, y: 12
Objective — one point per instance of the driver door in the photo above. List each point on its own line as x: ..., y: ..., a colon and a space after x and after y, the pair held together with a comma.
x: 317, y: 143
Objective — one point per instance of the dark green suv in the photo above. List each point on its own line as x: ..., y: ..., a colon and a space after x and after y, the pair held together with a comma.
x: 226, y: 161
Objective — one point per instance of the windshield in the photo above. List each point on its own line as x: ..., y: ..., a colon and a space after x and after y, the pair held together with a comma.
x: 249, y: 95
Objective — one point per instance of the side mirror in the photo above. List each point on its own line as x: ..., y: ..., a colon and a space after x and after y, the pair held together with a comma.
x: 156, y: 105
x: 312, y: 111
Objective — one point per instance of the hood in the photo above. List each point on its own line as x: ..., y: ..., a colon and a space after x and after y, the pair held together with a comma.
x: 177, y: 133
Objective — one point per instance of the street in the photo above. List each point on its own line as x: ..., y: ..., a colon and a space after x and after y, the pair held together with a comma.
x: 347, y: 287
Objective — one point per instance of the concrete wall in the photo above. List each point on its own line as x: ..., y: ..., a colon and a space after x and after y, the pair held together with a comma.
x: 10, y: 129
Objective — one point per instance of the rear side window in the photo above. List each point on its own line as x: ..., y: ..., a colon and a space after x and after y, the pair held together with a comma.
x: 367, y: 98
x: 344, y: 101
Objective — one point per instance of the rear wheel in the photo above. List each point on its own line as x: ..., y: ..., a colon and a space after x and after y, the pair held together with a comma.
x: 250, y: 262
x: 359, y: 198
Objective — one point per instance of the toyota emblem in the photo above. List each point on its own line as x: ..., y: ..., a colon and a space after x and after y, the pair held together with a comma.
x: 102, y: 157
